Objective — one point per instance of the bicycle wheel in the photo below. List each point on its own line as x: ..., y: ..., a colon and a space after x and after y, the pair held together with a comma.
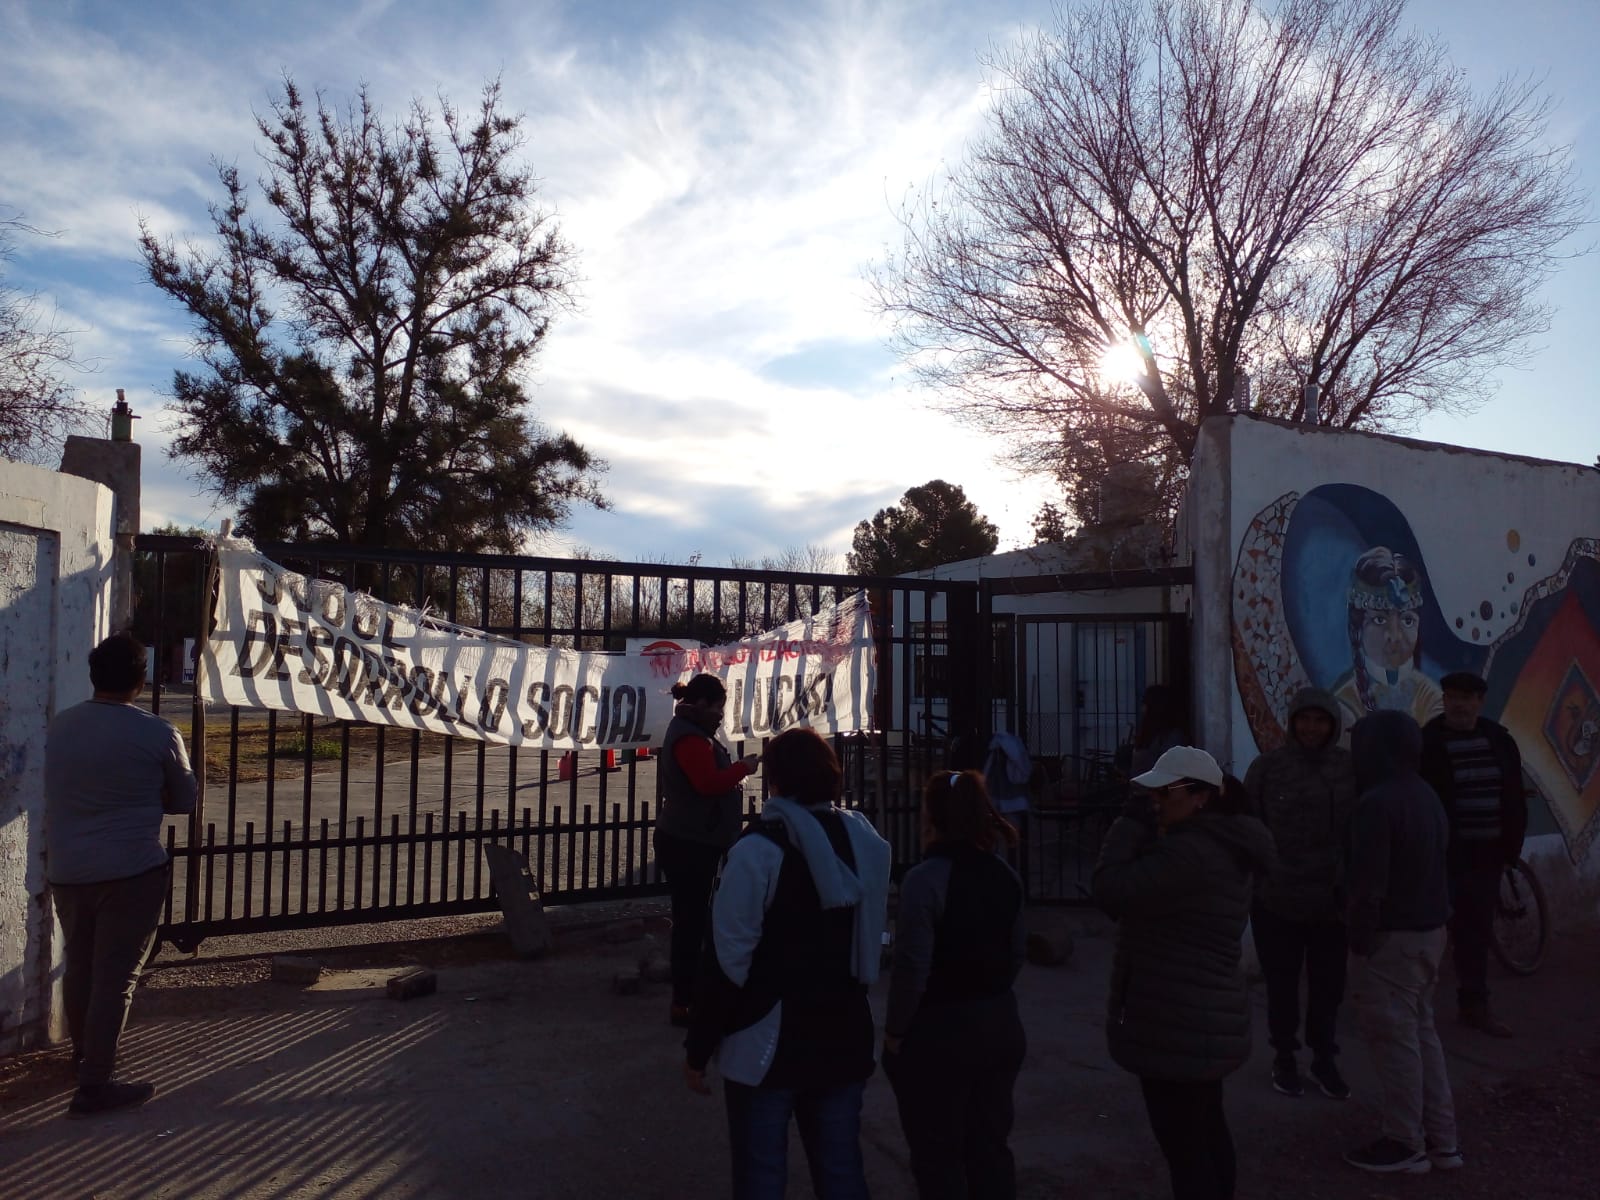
x: 1521, y: 923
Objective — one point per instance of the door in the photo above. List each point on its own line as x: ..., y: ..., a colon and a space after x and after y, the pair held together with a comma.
x: 1110, y: 670
x: 1079, y: 683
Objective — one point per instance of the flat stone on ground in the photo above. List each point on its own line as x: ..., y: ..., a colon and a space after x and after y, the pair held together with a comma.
x: 413, y: 982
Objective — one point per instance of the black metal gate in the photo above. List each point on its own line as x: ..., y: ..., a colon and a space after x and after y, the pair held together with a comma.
x: 306, y: 821
x: 1074, y: 684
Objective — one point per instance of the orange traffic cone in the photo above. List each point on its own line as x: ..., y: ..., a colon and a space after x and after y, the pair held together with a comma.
x: 568, y: 766
x: 641, y: 752
x: 610, y: 761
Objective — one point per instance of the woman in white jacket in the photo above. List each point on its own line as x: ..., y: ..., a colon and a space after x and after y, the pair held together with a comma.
x: 796, y: 938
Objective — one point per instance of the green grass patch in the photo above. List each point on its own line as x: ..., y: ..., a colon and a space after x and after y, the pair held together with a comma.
x: 293, y: 745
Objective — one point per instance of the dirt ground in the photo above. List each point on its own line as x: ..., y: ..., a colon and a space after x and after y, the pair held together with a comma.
x: 245, y: 756
x: 534, y: 1079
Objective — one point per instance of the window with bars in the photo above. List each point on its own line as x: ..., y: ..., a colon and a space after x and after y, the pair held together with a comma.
x: 930, y: 660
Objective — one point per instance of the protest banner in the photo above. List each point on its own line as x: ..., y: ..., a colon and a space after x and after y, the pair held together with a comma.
x: 283, y: 641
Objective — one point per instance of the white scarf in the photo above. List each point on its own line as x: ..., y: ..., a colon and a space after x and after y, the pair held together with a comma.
x: 866, y: 889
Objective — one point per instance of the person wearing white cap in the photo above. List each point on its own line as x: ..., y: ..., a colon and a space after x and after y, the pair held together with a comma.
x: 1177, y: 870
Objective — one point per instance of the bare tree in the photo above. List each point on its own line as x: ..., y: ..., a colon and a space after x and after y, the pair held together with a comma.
x: 38, y: 409
x: 785, y: 601
x: 810, y: 559
x: 1170, y: 196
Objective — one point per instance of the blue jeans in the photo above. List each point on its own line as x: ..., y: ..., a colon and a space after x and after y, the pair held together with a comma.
x: 830, y: 1130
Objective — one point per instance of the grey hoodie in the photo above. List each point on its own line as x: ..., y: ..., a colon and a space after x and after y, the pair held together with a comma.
x: 1305, y: 797
x: 1396, y: 874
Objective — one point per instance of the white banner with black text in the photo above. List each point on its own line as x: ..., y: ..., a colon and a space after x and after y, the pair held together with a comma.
x: 284, y: 641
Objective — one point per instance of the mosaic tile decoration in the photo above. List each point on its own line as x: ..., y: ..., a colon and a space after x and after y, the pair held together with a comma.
x: 1265, y: 665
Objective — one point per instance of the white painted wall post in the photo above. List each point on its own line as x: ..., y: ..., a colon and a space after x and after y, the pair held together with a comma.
x: 56, y: 564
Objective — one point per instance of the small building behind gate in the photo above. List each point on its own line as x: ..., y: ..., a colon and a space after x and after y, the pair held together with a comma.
x: 1074, y: 631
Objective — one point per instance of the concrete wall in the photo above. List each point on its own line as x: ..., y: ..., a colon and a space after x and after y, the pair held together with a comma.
x: 115, y: 464
x: 1371, y: 566
x: 56, y: 562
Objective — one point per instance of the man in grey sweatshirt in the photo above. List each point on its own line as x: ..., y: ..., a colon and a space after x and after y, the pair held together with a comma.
x: 112, y: 771
x: 1399, y: 902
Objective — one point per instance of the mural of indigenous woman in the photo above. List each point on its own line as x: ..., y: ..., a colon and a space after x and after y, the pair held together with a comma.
x: 1384, y: 623
x: 1331, y: 590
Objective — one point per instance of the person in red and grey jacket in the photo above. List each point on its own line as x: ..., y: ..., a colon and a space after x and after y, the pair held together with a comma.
x: 702, y: 806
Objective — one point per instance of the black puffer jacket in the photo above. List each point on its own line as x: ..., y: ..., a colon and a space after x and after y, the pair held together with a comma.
x: 1305, y: 797
x: 1178, y: 1005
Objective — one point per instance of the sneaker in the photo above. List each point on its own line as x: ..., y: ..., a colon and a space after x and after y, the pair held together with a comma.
x: 1329, y: 1080
x: 1445, y: 1160
x: 1387, y: 1156
x: 1485, y: 1021
x: 1286, y: 1077
x: 109, y: 1097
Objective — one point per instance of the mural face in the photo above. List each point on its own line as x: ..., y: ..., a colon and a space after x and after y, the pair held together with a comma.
x: 1389, y: 639
x: 1330, y: 590
x: 1384, y: 622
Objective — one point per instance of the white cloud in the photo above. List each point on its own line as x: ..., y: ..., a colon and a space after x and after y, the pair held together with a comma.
x: 729, y: 203
x: 724, y: 170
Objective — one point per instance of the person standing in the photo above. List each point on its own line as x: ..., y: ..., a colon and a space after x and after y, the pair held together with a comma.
x: 1161, y: 727
x: 797, y: 925
x: 1177, y: 872
x: 1008, y: 780
x: 953, y: 1042
x: 1304, y: 792
x: 1475, y: 766
x: 112, y: 772
x: 702, y: 807
x: 1399, y: 901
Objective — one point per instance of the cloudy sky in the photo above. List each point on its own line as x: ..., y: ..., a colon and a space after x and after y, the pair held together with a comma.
x: 725, y: 170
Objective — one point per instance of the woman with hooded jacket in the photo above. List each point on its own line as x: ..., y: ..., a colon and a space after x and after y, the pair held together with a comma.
x: 1304, y: 792
x: 1178, y: 874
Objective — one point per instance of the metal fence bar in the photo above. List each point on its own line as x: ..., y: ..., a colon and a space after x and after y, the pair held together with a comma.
x: 266, y: 825
x: 592, y: 838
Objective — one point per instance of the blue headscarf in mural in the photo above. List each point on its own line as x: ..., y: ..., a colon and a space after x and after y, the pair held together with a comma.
x: 1352, y: 567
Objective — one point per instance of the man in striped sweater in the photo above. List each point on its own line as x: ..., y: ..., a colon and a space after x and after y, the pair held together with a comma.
x: 1474, y: 765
